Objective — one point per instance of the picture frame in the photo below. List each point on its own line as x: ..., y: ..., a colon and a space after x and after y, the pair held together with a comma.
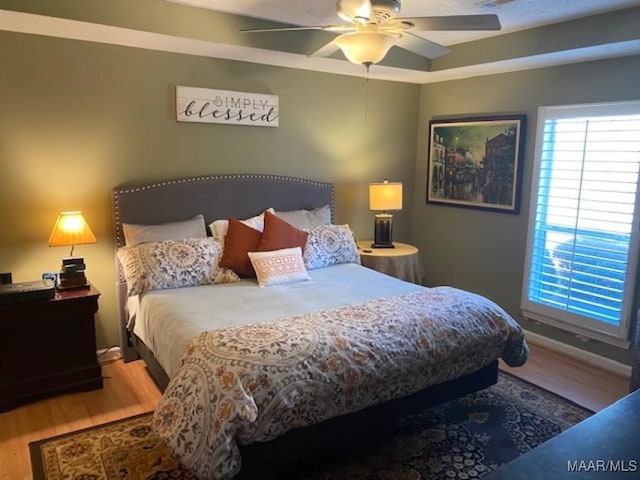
x: 476, y: 162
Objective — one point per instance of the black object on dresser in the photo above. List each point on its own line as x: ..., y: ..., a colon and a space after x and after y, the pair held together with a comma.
x: 26, y: 291
x: 48, y: 347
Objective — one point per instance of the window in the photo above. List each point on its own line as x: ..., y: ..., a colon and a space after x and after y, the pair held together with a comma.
x: 582, y: 249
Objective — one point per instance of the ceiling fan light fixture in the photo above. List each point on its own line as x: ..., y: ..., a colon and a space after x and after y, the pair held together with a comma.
x: 365, y: 48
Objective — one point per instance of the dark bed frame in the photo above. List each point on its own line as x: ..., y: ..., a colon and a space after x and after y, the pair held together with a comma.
x: 243, y: 196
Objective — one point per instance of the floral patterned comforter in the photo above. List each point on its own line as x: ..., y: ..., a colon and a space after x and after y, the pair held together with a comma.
x: 255, y: 382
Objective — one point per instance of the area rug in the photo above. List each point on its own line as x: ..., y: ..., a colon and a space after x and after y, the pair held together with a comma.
x: 461, y: 439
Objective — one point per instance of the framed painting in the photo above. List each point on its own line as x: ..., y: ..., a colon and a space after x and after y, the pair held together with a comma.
x: 476, y: 162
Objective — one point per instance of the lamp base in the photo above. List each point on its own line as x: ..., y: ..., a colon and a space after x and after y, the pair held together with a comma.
x: 383, y: 245
x: 382, y: 231
x: 72, y: 274
x: 72, y: 287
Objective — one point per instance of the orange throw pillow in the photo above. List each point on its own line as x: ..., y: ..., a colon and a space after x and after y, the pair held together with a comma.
x: 278, y: 234
x: 240, y: 240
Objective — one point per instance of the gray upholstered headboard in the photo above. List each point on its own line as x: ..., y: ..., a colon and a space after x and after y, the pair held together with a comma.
x: 215, y: 197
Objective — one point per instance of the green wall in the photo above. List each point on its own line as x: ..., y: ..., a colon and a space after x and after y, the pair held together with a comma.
x: 79, y: 118
x: 484, y: 251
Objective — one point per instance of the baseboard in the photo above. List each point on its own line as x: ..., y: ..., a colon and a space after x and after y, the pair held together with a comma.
x: 582, y: 355
x: 108, y: 355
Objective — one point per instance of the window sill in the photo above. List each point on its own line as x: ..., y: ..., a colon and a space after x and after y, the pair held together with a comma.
x: 578, y: 331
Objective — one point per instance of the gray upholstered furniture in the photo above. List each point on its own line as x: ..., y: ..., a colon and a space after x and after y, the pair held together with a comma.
x: 604, y: 446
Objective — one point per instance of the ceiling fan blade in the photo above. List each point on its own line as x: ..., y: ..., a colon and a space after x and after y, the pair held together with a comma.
x: 328, y: 28
x: 357, y: 11
x: 326, y: 50
x: 454, y: 22
x: 278, y: 29
x: 421, y: 46
x: 492, y: 3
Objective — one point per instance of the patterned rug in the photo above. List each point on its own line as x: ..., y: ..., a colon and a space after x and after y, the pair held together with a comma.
x: 462, y: 439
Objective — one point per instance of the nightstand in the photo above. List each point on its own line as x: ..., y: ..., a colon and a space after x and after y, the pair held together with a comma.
x: 402, y: 262
x: 48, y: 347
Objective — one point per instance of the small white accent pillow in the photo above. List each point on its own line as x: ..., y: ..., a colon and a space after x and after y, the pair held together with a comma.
x: 279, y: 266
x: 306, y: 219
x: 219, y: 227
x: 330, y: 245
x: 173, y: 264
x: 135, y: 234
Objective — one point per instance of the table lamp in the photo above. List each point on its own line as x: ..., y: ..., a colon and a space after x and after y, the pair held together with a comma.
x: 71, y: 229
x: 384, y: 197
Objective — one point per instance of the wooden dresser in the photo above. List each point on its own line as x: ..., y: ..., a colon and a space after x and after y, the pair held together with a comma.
x: 48, y: 347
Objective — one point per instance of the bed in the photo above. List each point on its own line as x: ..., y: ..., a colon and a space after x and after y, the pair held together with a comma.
x: 257, y: 375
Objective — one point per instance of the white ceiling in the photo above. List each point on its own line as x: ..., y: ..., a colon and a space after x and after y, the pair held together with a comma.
x: 514, y: 16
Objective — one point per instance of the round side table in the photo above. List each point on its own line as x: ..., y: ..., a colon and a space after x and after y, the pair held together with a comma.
x: 402, y: 262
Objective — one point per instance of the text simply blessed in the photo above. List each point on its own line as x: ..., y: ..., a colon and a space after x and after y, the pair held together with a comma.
x: 205, y: 105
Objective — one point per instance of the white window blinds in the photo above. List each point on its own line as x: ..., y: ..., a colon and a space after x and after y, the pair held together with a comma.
x: 582, y: 250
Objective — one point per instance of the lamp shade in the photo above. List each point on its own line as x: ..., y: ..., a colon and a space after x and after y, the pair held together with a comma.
x: 365, y: 47
x: 70, y: 229
x: 385, y: 196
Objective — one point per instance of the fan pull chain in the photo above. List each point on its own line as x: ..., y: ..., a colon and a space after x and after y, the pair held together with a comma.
x: 366, y: 89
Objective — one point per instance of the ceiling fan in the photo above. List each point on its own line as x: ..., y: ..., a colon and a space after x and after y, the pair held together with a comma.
x: 374, y: 27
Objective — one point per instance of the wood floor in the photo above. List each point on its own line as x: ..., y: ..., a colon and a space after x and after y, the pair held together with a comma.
x: 128, y: 390
x: 570, y: 378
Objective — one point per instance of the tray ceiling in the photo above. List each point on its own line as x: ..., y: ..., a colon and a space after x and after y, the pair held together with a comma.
x: 535, y: 33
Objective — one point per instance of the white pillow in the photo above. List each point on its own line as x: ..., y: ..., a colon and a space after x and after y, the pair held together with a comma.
x: 306, y: 219
x: 135, y: 234
x: 330, y: 245
x: 279, y: 266
x: 219, y: 227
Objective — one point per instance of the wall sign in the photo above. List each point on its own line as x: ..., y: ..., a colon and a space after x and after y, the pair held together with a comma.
x: 205, y: 105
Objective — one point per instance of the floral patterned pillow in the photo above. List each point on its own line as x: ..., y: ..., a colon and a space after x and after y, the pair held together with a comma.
x: 277, y: 267
x: 173, y: 264
x: 330, y: 245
